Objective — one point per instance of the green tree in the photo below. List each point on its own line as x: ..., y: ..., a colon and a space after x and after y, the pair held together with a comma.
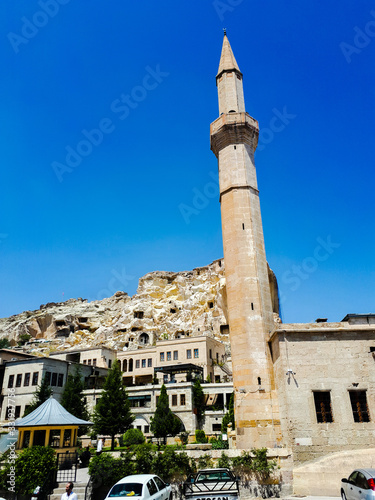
x: 229, y: 416
x: 72, y: 398
x: 164, y: 422
x: 133, y: 436
x: 29, y: 470
x: 4, y: 343
x: 42, y: 393
x: 112, y: 413
x: 198, y: 401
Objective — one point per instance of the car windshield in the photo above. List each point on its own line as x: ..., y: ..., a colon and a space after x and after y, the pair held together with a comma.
x: 126, y: 490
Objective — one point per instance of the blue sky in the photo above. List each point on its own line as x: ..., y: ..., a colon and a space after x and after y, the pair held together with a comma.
x: 142, y: 195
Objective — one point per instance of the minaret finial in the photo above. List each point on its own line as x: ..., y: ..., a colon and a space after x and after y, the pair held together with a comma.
x: 225, y: 31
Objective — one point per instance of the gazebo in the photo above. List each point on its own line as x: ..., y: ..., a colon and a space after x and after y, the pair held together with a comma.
x: 49, y: 425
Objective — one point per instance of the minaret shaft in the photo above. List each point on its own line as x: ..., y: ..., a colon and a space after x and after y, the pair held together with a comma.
x: 234, y: 137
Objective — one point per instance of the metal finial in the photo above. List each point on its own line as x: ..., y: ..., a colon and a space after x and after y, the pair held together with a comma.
x: 225, y: 31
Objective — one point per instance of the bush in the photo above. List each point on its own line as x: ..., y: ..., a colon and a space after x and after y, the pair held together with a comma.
x: 105, y: 470
x: 200, y: 436
x: 218, y: 443
x: 204, y: 462
x: 30, y: 469
x: 224, y: 461
x: 171, y: 465
x: 133, y: 436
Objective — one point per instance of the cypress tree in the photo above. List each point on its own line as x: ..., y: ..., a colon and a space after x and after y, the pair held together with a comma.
x: 112, y: 413
x: 164, y: 423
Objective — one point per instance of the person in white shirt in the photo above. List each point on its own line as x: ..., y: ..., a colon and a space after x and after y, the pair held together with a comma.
x: 99, y: 446
x: 69, y: 494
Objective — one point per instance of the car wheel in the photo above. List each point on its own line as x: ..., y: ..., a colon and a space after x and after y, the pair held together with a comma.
x: 343, y: 496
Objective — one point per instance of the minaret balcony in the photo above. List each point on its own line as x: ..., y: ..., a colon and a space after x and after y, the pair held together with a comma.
x: 233, y: 128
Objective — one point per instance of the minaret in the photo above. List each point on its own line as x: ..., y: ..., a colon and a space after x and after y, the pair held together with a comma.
x: 234, y: 138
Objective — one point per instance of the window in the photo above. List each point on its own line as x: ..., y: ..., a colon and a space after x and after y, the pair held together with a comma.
x: 174, y: 399
x: 109, y: 363
x: 60, y: 381
x: 160, y: 484
x: 358, y: 401
x: 143, y: 363
x: 175, y: 355
x: 11, y: 381
x: 147, y: 429
x: 152, y: 487
x: 89, y: 361
x: 169, y: 356
x: 94, y: 362
x: 216, y: 427
x: 138, y: 314
x: 196, y: 353
x: 149, y: 363
x: 323, y: 406
x: 182, y: 400
x: 137, y: 363
x: 165, y: 379
x: 48, y: 377
x: 210, y: 353
x: 224, y: 329
x: 162, y: 356
x: 26, y: 380
x: 188, y: 353
x: 17, y: 413
x: 85, y: 361
x: 157, y: 399
x: 19, y: 380
x: 35, y: 378
x: 54, y: 379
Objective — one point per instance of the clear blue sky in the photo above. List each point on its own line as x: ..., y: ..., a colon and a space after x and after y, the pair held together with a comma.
x: 131, y: 204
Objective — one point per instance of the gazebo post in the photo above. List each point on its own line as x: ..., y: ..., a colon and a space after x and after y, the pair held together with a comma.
x: 61, y: 437
x: 46, y: 440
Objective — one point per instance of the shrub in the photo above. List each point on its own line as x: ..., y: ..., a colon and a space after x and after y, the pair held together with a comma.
x: 105, y: 470
x: 133, y: 436
x: 171, y: 465
x: 218, y: 443
x: 224, y: 461
x: 200, y: 436
x: 204, y: 462
x: 30, y: 469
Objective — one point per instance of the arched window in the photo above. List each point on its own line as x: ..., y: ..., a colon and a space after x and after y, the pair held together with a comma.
x: 131, y: 364
x: 125, y: 365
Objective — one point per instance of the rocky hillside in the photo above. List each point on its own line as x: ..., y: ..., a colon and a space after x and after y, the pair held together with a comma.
x: 166, y: 305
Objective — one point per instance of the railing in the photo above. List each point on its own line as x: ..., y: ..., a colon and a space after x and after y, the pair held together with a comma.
x: 67, y: 467
x: 89, y: 490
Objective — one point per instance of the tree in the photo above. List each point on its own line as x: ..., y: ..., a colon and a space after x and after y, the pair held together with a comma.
x: 229, y: 416
x: 133, y: 436
x: 198, y: 401
x: 72, y: 398
x: 31, y: 468
x: 112, y: 413
x: 4, y: 343
x: 164, y: 422
x: 42, y: 393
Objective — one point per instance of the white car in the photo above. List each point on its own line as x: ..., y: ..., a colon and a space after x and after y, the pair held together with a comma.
x: 360, y: 485
x: 142, y: 486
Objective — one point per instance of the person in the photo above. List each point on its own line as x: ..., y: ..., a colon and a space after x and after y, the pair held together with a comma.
x: 85, y: 457
x: 69, y: 494
x: 99, y: 448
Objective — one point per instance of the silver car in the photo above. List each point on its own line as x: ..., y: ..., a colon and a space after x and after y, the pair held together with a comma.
x: 142, y: 486
x: 360, y: 485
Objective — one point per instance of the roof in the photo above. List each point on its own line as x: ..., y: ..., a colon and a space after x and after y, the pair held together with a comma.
x: 227, y: 59
x: 49, y: 413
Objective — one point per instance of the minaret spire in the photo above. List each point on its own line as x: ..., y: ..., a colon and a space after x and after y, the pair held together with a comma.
x: 229, y: 81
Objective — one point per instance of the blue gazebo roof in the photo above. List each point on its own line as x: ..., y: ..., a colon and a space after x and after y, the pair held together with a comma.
x: 50, y: 413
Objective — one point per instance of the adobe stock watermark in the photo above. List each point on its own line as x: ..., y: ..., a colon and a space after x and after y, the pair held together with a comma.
x: 201, y: 197
x: 277, y: 124
x: 117, y: 280
x: 221, y: 7
x: 302, y: 272
x: 11, y: 459
x: 31, y: 27
x: 362, y: 38
x: 121, y: 107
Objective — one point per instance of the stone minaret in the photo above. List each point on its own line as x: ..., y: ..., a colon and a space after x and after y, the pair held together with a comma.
x: 234, y: 138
